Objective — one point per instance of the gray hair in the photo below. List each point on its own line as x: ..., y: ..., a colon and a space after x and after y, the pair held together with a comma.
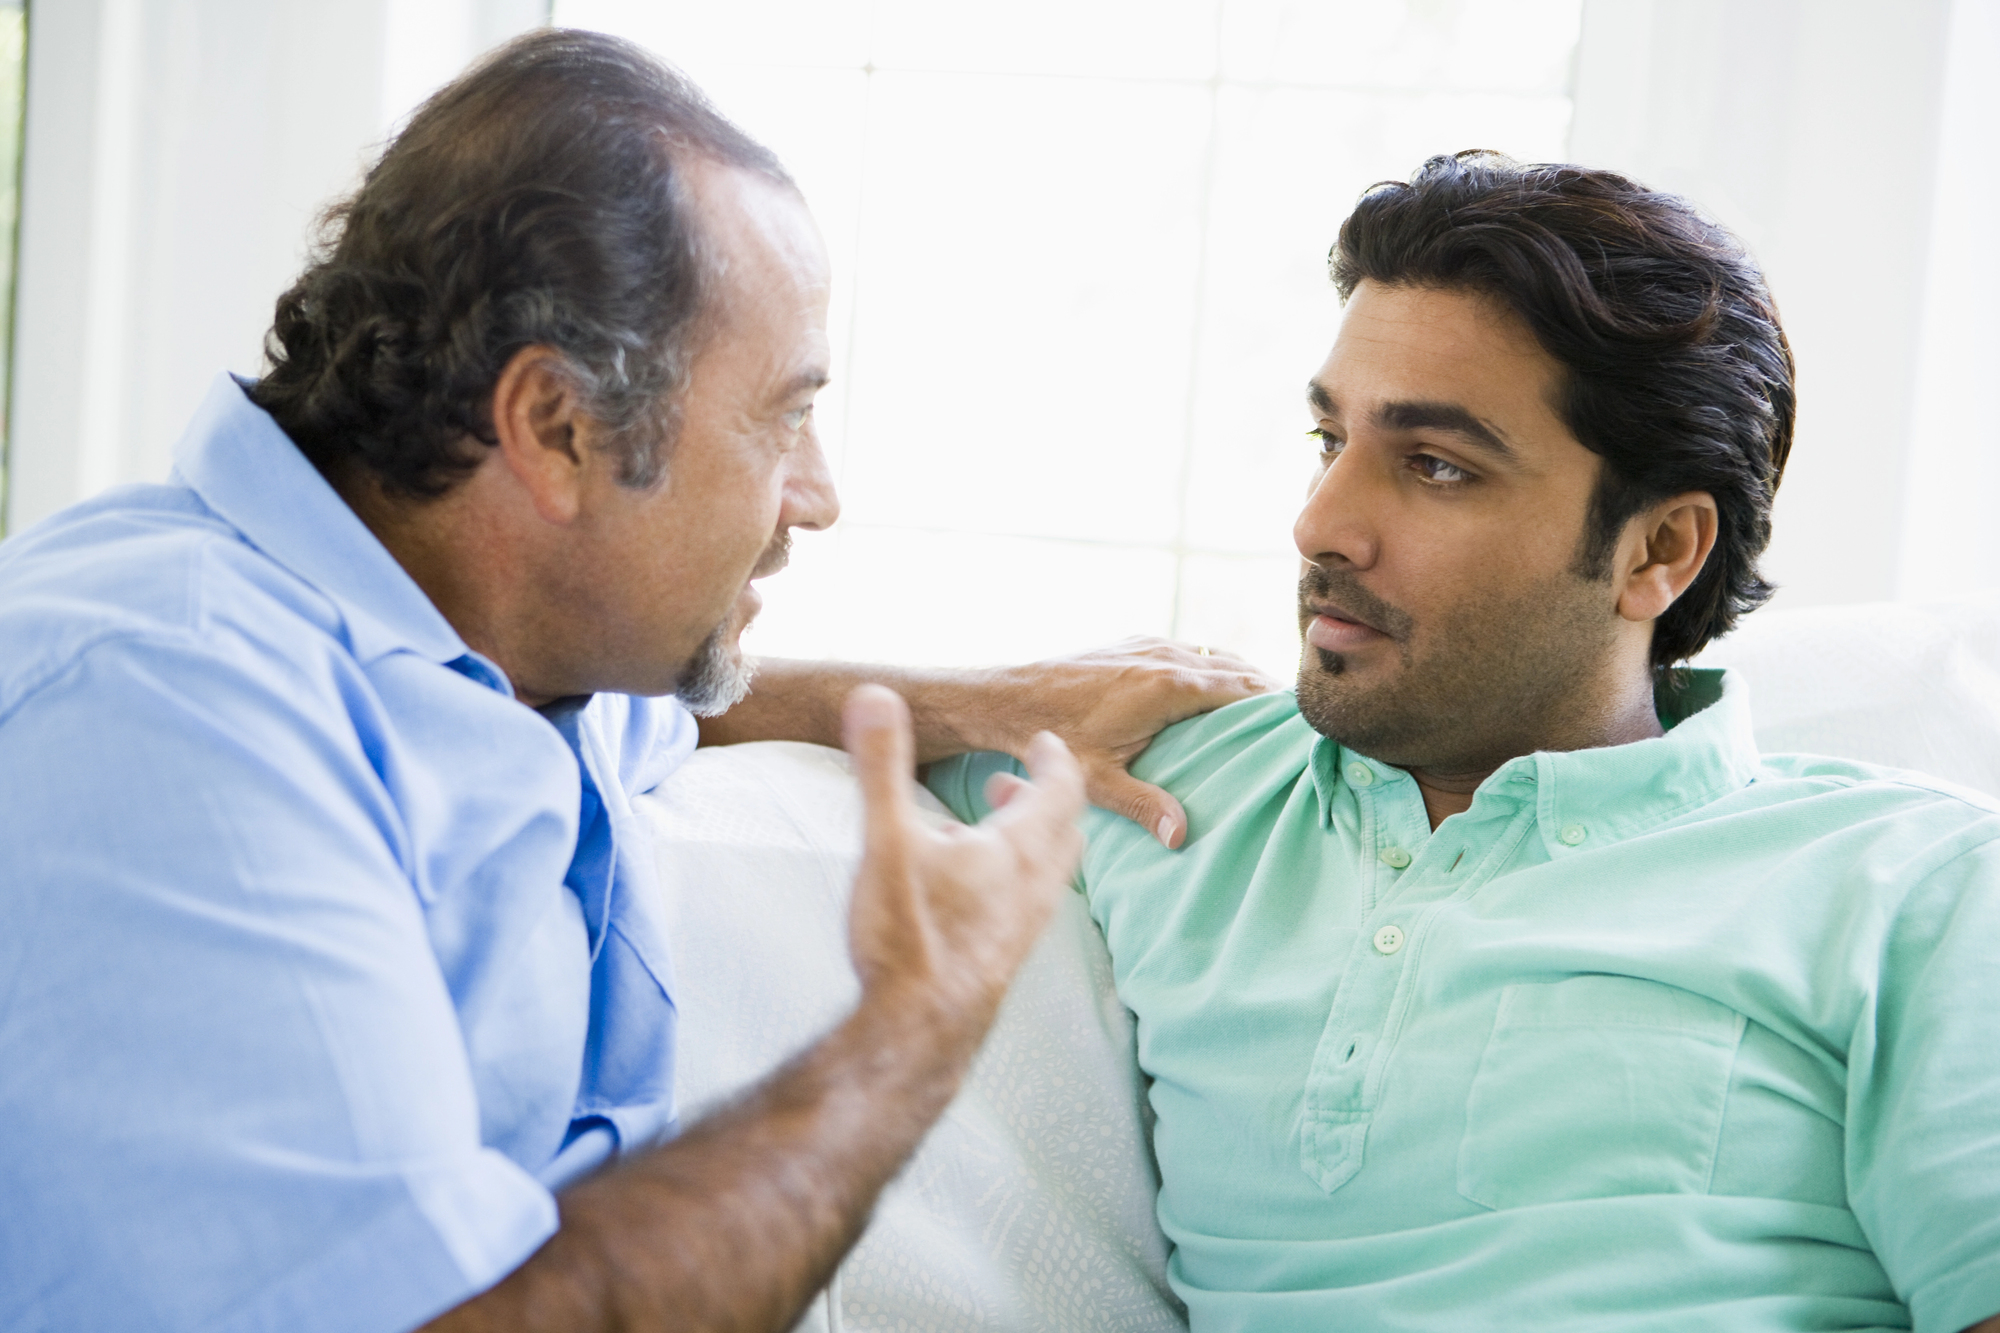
x: 536, y: 200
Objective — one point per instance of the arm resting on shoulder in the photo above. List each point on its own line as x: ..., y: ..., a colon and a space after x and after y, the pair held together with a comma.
x: 1106, y: 705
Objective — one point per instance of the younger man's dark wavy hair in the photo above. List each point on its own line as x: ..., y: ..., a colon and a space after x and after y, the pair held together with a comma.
x: 1677, y: 371
x: 537, y: 199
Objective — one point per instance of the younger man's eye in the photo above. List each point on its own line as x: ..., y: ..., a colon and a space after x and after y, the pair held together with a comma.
x: 1439, y: 471
x: 1329, y: 444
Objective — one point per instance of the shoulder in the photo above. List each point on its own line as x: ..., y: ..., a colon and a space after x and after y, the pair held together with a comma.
x: 1905, y: 843
x: 1219, y: 756
x: 1263, y: 733
x: 1859, y: 803
x: 1826, y: 774
x: 1223, y: 767
x: 148, y: 573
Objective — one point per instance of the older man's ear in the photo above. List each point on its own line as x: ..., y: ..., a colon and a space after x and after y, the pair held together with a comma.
x: 542, y: 433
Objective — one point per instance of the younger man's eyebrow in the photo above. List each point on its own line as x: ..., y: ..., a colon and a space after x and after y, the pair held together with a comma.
x: 1322, y: 401
x: 1446, y: 417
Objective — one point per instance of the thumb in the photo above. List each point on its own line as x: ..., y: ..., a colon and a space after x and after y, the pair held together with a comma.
x: 875, y: 726
x: 1141, y: 802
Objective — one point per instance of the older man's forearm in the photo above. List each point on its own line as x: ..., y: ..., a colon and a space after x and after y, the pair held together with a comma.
x: 952, y: 710
x: 738, y: 1223
x: 1106, y: 704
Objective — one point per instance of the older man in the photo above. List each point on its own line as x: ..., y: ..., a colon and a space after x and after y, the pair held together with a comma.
x: 327, y: 946
x: 1502, y: 983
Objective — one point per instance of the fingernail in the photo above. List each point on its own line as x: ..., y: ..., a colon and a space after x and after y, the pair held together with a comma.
x: 1166, y: 830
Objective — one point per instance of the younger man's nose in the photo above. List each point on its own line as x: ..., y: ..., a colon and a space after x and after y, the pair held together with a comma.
x: 1334, y: 528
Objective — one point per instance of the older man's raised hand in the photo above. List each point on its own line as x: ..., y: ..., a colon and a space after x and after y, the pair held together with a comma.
x: 942, y: 917
x: 735, y: 1224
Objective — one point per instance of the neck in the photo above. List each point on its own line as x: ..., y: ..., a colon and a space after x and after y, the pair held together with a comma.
x: 465, y: 575
x: 1625, y: 714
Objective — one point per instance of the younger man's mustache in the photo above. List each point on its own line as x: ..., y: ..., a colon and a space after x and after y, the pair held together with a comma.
x: 1343, y: 589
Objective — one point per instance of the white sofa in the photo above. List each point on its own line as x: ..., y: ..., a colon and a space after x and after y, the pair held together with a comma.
x: 1030, y: 1206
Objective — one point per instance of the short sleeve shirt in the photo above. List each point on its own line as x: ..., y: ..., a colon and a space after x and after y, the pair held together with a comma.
x: 1662, y: 1035
x: 312, y: 984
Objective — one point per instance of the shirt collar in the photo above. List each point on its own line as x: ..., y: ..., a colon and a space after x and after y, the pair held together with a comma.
x: 1586, y: 798
x: 246, y: 469
x: 1589, y: 797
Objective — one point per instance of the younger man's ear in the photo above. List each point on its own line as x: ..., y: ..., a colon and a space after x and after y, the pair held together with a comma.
x: 539, y: 424
x: 1664, y: 548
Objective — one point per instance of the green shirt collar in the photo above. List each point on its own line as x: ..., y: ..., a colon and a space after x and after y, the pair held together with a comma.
x: 1588, y: 797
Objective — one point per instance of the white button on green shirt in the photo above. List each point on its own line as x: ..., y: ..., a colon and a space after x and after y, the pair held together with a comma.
x: 1665, y: 1035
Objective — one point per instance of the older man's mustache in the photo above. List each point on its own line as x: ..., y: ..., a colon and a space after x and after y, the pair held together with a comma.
x: 776, y: 556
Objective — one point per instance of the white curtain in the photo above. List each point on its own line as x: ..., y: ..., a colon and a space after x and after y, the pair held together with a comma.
x: 1847, y: 142
x: 176, y: 152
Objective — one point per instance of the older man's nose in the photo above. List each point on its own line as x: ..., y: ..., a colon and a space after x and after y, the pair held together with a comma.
x: 811, y: 502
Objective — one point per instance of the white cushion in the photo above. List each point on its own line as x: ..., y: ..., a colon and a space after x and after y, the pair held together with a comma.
x: 1908, y: 686
x: 1030, y: 1205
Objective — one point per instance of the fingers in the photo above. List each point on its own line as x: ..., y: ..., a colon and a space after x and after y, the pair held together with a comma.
x: 1045, y: 810
x: 1002, y: 788
x: 1055, y: 771
x: 1044, y: 821
x: 875, y: 726
x: 1112, y: 788
x: 1224, y: 675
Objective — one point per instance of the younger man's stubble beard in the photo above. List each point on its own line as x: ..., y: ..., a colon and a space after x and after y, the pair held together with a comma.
x: 1494, y: 679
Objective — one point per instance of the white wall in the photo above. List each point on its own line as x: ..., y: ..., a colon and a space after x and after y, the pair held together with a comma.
x: 176, y: 152
x: 1812, y: 128
x: 1079, y: 255
x: 1951, y: 532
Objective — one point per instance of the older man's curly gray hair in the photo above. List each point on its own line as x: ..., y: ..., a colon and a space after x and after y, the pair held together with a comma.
x: 538, y: 199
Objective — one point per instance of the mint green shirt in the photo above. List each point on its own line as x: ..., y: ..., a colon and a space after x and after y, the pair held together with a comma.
x: 1663, y: 1035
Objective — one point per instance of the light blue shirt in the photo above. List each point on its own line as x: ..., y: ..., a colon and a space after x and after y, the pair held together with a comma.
x: 309, y: 991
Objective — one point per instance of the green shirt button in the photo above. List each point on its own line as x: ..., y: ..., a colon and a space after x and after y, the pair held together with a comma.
x: 1575, y: 834
x: 1360, y: 775
x: 1388, y: 939
x: 1395, y: 858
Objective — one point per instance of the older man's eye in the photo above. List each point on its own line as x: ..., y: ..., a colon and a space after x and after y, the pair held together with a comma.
x: 796, y: 419
x: 1438, y: 471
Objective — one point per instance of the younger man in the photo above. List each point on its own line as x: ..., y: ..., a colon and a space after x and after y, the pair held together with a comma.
x: 1502, y: 983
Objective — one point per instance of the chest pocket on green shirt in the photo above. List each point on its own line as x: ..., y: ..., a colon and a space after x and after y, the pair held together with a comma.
x: 1594, y: 1087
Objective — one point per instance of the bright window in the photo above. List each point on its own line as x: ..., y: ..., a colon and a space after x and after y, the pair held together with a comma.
x: 13, y: 90
x: 1080, y: 283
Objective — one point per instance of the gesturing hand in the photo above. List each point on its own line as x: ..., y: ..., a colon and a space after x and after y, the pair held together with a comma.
x: 1108, y: 703
x: 944, y: 916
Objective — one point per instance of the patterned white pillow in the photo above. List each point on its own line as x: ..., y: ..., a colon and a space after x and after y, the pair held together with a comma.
x: 1030, y: 1205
